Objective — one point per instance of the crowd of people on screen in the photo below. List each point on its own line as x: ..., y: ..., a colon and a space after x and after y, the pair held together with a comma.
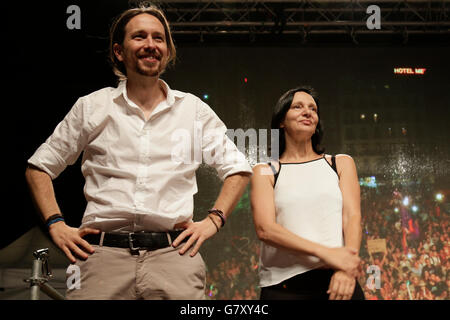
x: 414, y: 267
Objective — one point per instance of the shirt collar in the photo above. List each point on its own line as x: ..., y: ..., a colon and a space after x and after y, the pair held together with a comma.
x: 171, y: 95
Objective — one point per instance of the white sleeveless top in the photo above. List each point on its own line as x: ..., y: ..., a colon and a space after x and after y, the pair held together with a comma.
x: 308, y: 202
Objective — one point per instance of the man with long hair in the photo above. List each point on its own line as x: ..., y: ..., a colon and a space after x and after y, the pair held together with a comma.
x: 137, y: 239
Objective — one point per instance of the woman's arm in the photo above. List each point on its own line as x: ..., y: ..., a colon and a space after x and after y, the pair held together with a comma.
x: 342, y: 285
x: 351, y: 212
x: 272, y: 233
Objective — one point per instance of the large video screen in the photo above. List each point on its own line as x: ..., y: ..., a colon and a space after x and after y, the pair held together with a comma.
x: 387, y: 107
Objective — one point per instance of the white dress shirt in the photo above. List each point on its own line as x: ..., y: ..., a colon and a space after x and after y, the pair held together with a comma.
x: 140, y: 174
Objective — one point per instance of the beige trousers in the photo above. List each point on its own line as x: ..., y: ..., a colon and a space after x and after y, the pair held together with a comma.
x: 114, y: 273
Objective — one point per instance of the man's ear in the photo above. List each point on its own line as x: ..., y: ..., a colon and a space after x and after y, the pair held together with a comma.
x: 117, y: 49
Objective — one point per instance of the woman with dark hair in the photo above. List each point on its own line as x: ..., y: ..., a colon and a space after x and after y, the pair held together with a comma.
x: 306, y: 210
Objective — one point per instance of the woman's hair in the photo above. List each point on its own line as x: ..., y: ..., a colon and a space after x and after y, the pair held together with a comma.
x: 117, y: 35
x: 279, y: 113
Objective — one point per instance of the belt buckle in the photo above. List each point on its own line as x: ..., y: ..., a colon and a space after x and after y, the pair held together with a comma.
x: 130, y: 242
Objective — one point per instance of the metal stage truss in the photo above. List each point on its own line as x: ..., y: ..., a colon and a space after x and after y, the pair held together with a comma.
x: 201, y: 20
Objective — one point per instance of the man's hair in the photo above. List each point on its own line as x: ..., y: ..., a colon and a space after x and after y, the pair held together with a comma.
x: 282, y: 107
x: 117, y: 35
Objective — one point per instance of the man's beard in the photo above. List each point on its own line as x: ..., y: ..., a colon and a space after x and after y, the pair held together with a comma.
x: 150, y: 72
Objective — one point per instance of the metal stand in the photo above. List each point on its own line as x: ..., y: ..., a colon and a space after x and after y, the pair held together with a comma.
x: 40, y: 274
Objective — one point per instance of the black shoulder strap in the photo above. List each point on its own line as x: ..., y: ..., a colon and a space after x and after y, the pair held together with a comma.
x: 333, y: 163
x: 273, y: 168
x: 275, y: 172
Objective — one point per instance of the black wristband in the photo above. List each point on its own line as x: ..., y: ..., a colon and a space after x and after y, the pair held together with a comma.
x: 54, y: 218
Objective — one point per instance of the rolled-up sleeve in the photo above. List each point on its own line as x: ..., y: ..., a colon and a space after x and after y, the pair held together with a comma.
x: 65, y: 144
x: 218, y: 150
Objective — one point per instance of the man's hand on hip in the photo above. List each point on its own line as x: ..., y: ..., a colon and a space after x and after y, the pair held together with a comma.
x: 70, y: 240
x: 197, y: 232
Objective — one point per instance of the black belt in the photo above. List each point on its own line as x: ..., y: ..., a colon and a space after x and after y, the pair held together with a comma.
x: 135, y: 241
